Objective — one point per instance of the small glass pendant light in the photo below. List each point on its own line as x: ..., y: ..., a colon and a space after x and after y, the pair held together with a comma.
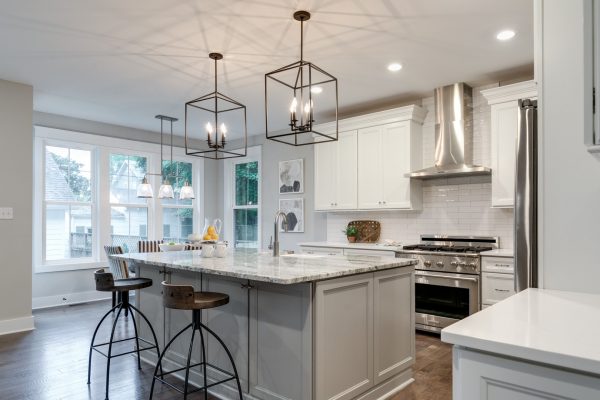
x: 144, y: 189
x: 187, y: 192
x: 166, y: 190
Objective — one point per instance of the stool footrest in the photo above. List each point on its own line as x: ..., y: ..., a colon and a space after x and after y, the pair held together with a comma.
x: 122, y: 340
x: 124, y: 353
x: 198, y: 388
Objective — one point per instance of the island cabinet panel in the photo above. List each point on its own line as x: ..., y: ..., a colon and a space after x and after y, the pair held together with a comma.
x: 343, y: 337
x: 231, y: 323
x: 482, y: 376
x: 149, y: 301
x: 393, y: 292
x: 281, y: 341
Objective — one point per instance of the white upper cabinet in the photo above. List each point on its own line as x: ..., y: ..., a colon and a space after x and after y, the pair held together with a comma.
x: 504, y: 102
x: 335, y: 173
x: 366, y: 168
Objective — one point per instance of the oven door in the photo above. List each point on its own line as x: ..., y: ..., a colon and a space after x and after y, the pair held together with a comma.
x: 443, y: 298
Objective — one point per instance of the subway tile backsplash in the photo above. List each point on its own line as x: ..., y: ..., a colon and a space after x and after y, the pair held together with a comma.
x: 451, y: 206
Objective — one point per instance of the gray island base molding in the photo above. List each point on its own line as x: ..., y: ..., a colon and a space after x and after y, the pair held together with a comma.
x: 298, y: 327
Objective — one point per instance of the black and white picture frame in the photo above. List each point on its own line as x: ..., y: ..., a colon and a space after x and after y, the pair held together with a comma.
x: 294, y: 211
x: 291, y: 176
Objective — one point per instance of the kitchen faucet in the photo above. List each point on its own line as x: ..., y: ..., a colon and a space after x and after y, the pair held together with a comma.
x: 278, y: 214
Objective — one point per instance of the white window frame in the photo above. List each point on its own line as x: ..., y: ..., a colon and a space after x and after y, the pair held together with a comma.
x: 253, y: 154
x: 198, y: 222
x: 103, y: 146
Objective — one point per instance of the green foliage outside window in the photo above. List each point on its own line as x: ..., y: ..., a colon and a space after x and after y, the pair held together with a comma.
x: 246, y: 184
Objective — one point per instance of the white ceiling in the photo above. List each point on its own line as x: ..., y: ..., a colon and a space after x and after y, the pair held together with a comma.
x: 123, y: 62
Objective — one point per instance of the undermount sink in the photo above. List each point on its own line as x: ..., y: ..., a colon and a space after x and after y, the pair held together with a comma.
x: 302, y: 255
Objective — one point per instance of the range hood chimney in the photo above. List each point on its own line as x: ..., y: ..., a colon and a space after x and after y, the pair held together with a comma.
x: 453, y: 135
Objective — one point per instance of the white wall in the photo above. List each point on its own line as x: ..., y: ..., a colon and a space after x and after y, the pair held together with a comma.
x: 451, y: 206
x: 16, y: 164
x: 569, y: 175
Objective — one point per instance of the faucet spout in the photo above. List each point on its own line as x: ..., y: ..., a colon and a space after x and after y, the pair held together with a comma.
x: 279, y: 214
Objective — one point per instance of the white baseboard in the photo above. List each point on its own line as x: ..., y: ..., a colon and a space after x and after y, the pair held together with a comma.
x: 68, y: 299
x: 16, y: 325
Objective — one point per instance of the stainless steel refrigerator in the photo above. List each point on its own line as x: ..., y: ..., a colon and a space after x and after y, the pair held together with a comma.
x: 525, y: 209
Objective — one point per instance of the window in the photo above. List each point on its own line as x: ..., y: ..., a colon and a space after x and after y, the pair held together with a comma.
x: 68, y: 203
x: 177, y: 215
x: 243, y: 198
x: 128, y: 213
x: 86, y: 198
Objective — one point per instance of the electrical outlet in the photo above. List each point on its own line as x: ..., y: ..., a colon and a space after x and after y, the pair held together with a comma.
x: 6, y: 213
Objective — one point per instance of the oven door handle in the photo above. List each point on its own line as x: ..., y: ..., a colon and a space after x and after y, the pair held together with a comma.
x: 460, y: 278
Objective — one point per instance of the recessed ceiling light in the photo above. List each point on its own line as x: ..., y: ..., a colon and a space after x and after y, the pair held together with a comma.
x: 394, y: 67
x: 505, y: 35
x: 316, y: 89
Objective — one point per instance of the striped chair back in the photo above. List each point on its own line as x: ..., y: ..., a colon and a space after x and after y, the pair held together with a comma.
x: 117, y: 267
x: 149, y: 246
x: 193, y: 246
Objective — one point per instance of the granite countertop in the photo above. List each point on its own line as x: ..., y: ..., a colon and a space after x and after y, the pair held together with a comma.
x: 539, y: 325
x: 499, y: 253
x: 358, y: 246
x: 261, y: 266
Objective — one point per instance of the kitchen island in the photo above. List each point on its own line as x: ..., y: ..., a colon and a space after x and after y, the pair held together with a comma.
x: 298, y: 326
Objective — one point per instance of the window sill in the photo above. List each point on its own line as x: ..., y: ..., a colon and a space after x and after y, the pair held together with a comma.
x: 42, y: 269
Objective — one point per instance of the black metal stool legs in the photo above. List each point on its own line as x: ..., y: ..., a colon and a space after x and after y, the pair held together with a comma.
x: 197, y: 326
x: 122, y: 308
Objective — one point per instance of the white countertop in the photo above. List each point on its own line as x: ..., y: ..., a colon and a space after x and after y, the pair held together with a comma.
x: 358, y: 246
x: 547, y: 326
x: 261, y: 266
x: 499, y: 253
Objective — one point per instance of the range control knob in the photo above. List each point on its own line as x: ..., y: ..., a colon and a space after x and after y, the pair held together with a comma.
x: 427, y: 263
x: 472, y: 265
x: 454, y: 263
x: 439, y: 264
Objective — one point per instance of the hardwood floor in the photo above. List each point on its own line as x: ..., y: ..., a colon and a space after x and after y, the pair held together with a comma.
x: 50, y: 363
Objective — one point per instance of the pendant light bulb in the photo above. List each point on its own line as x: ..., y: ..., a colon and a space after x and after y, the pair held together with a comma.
x: 144, y: 189
x: 166, y: 190
x: 187, y: 192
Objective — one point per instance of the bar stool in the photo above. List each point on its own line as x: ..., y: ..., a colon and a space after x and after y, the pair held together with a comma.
x: 183, y: 297
x: 106, y: 283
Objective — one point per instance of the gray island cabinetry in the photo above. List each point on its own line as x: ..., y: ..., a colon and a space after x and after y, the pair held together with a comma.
x: 299, y: 327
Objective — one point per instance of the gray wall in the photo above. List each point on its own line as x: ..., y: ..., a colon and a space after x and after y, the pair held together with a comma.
x: 16, y: 164
x: 66, y: 283
x: 315, y: 224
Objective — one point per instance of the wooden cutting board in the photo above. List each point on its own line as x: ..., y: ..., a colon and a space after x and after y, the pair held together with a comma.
x: 368, y: 231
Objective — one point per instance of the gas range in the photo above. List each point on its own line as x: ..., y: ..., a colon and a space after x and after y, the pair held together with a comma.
x: 452, y: 254
x: 447, y: 278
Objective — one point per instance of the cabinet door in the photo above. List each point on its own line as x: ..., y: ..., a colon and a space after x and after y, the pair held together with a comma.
x: 281, y: 342
x: 505, y: 128
x: 149, y: 301
x: 395, y: 152
x: 230, y: 322
x: 370, y: 179
x: 496, y: 287
x: 393, y: 333
x: 346, y: 171
x: 325, y: 175
x: 480, y: 376
x: 343, y: 337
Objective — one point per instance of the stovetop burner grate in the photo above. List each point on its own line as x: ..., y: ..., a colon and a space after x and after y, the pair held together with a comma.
x: 448, y: 248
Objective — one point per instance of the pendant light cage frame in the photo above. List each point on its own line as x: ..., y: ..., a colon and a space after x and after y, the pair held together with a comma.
x: 300, y: 79
x: 214, y: 107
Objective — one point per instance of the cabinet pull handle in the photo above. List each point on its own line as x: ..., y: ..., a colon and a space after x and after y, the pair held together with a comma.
x: 247, y: 286
x: 502, y: 290
x: 502, y: 265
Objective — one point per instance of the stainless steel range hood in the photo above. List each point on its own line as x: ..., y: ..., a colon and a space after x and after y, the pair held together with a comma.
x: 453, y: 135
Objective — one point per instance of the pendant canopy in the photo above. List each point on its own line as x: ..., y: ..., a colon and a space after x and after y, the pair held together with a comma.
x: 215, y: 125
x: 299, y: 95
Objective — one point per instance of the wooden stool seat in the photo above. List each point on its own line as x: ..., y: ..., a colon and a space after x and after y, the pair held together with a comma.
x: 105, y: 282
x: 183, y: 297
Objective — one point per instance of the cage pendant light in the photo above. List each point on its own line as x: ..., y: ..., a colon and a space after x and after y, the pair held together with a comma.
x: 299, y: 95
x: 212, y: 121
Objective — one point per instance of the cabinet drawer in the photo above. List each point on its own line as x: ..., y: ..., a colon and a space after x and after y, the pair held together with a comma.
x: 496, y: 287
x: 503, y: 265
x: 363, y: 252
x: 328, y: 251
